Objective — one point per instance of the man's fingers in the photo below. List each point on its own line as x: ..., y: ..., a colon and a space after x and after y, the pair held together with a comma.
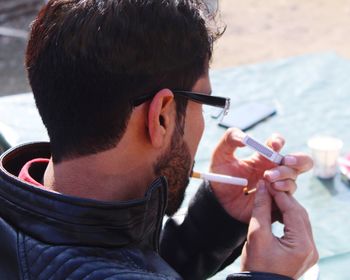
x: 299, y: 161
x: 280, y: 173
x: 285, y: 186
x: 282, y: 178
x: 260, y: 223
x: 297, y: 229
x: 294, y: 215
x: 231, y: 140
x: 275, y: 141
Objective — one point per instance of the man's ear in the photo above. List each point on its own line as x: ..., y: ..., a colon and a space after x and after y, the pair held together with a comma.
x: 161, y: 117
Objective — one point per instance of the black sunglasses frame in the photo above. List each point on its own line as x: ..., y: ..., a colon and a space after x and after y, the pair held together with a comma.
x: 201, y: 98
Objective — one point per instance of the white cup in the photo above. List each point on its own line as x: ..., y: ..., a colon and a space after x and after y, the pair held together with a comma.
x: 325, y: 152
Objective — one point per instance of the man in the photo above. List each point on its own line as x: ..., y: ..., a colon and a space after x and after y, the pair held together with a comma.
x: 120, y: 85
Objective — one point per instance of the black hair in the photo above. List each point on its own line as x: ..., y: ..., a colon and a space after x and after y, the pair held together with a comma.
x: 86, y: 59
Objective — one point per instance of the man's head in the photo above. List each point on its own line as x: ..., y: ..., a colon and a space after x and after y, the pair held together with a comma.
x: 87, y: 59
x: 176, y: 161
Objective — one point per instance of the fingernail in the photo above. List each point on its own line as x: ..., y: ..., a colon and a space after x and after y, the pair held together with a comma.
x: 279, y: 185
x: 261, y: 186
x: 273, y: 174
x: 239, y: 135
x: 279, y: 138
x: 290, y: 160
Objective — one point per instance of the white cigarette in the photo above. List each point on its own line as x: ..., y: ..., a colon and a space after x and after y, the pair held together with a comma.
x: 221, y: 178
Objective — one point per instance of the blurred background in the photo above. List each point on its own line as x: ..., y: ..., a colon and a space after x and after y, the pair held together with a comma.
x: 15, y: 18
x: 294, y: 53
x: 257, y: 31
x: 271, y: 29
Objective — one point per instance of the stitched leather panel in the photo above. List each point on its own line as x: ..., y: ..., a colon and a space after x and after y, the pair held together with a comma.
x: 8, y: 253
x: 42, y: 261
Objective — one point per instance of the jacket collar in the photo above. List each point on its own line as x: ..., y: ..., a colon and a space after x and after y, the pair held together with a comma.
x: 62, y: 219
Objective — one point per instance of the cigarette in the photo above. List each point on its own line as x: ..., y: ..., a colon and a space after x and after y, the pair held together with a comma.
x: 248, y: 192
x: 262, y: 149
x: 213, y: 177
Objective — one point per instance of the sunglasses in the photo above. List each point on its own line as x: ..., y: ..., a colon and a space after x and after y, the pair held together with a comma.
x: 215, y: 101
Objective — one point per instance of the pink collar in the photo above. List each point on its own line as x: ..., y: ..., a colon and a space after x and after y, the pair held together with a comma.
x: 24, y: 174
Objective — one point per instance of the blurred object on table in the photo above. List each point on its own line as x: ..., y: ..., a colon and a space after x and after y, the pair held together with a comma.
x: 344, y: 166
x: 325, y: 152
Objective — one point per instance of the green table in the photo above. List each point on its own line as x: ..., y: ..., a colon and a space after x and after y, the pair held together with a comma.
x: 312, y: 95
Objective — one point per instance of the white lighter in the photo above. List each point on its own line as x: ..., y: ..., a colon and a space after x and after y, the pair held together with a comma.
x: 263, y: 150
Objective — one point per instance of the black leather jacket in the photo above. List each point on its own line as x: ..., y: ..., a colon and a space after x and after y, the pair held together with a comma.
x: 45, y: 235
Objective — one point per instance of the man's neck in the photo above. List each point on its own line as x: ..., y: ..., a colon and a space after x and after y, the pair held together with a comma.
x: 120, y: 173
x: 101, y: 176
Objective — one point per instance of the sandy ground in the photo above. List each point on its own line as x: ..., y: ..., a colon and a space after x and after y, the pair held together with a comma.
x: 257, y: 30
x: 260, y: 30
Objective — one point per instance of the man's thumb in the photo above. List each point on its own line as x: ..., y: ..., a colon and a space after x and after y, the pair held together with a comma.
x: 261, y: 215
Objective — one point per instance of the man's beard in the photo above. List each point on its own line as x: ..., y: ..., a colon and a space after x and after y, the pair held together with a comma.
x: 175, y: 165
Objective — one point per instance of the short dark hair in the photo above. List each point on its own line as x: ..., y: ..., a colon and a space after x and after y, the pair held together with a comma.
x: 86, y: 59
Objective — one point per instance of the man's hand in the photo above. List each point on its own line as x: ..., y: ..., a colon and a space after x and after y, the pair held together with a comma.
x: 254, y: 168
x: 292, y: 254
